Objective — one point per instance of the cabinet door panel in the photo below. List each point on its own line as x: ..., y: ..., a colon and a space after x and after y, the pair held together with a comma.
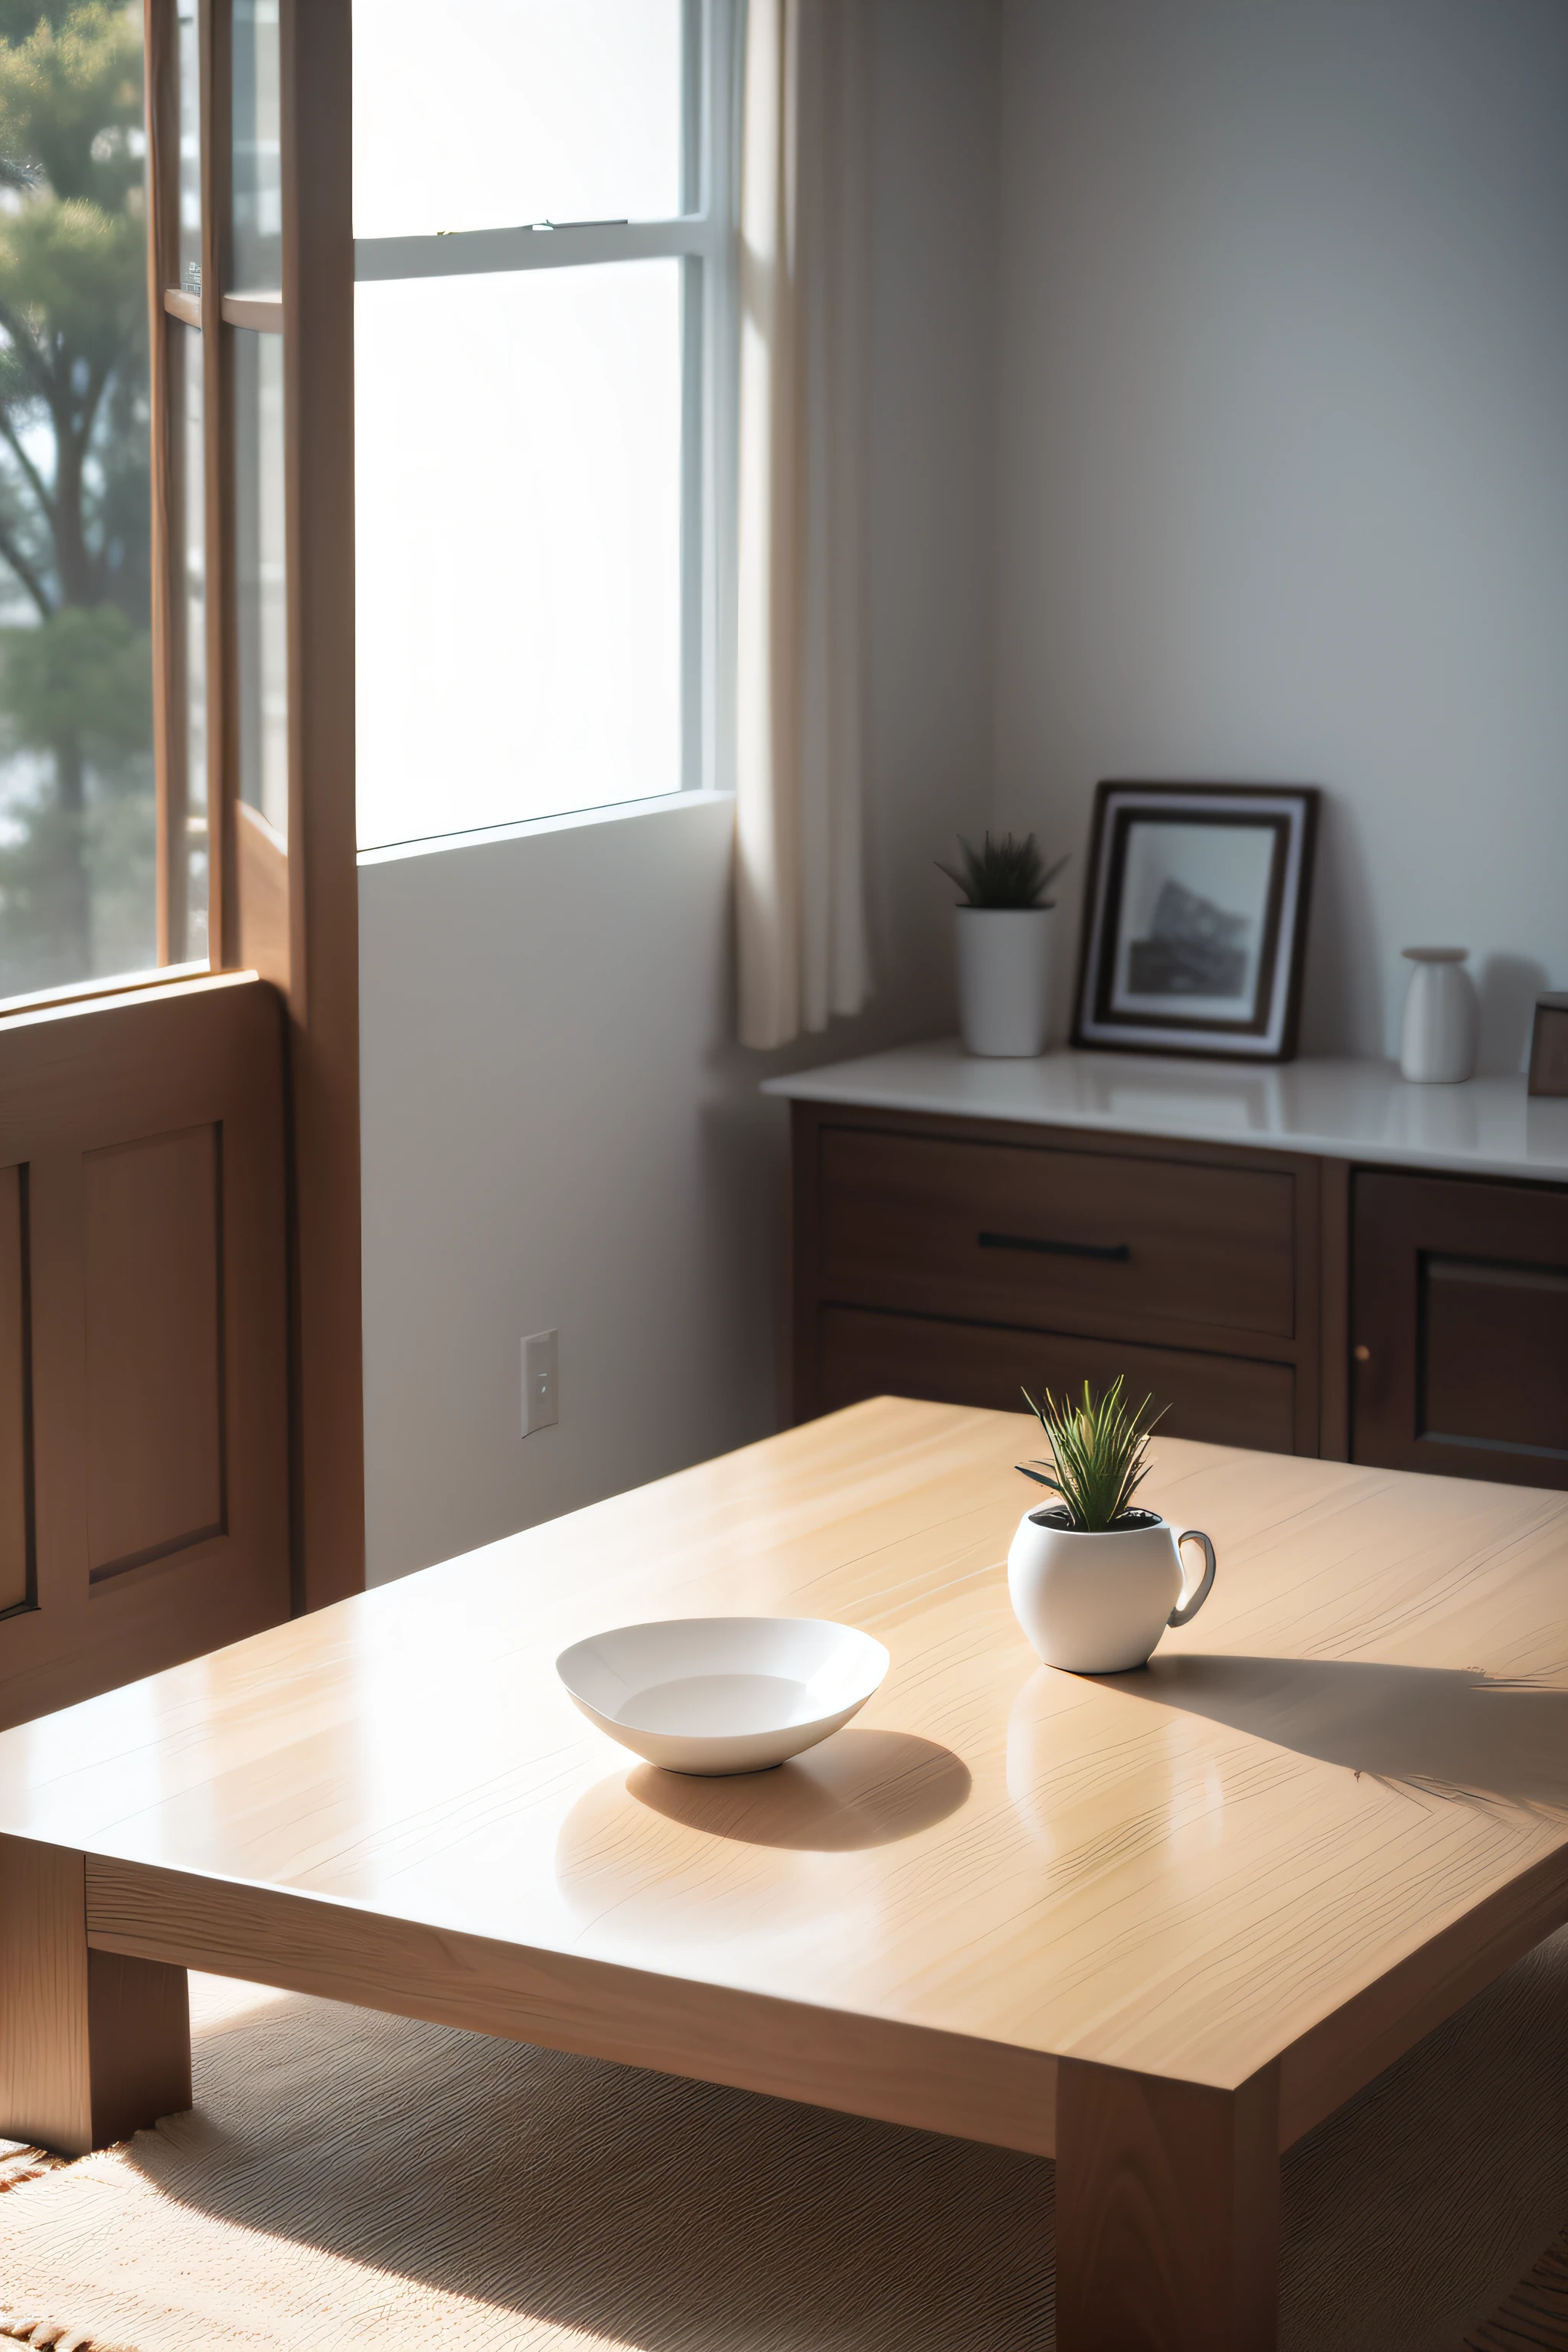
x: 1109, y: 1242
x: 1460, y: 1305
x: 1223, y: 1398
x: 143, y: 1337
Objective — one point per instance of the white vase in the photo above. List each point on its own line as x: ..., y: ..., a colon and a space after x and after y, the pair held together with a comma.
x: 1097, y: 1604
x: 1439, y: 1033
x: 1003, y: 957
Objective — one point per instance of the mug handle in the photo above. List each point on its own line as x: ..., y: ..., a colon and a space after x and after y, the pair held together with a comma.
x: 1183, y: 1613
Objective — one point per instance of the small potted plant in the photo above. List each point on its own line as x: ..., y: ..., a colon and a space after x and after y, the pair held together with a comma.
x: 1093, y: 1579
x: 1004, y: 945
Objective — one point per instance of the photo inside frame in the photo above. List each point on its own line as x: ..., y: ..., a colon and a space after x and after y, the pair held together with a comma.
x: 1193, y: 941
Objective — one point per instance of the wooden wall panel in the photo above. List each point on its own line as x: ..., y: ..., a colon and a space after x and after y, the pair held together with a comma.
x: 14, y: 1467
x: 154, y: 1267
x: 151, y: 1127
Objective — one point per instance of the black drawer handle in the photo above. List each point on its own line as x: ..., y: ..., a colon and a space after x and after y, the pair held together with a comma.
x: 1113, y: 1253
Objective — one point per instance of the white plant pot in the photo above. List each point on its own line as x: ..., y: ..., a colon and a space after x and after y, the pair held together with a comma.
x: 1439, y: 1035
x: 1003, y: 979
x: 1097, y: 1604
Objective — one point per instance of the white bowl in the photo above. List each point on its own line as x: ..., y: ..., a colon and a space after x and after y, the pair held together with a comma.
x: 720, y: 1694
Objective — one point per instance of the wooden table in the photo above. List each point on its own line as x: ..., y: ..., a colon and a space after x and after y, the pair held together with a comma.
x: 1156, y: 1926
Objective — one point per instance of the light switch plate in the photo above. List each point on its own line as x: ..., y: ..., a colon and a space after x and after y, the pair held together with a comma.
x: 541, y: 1381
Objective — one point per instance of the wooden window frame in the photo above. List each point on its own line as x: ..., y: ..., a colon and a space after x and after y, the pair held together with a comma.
x: 285, y: 906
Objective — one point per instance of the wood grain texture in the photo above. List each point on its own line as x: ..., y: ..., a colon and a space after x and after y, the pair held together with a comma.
x: 93, y: 2046
x: 90, y: 1096
x: 15, y: 1436
x: 1228, y: 1400
x: 44, y: 2095
x: 1461, y: 1303
x: 154, y: 1296
x: 1167, y: 2214
x: 1351, y: 1772
x: 863, y: 2065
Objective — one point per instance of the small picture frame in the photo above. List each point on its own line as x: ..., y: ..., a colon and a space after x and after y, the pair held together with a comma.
x: 1549, y: 1045
x: 1195, y: 919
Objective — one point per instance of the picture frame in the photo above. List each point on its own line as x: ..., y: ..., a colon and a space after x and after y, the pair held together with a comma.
x: 1195, y: 919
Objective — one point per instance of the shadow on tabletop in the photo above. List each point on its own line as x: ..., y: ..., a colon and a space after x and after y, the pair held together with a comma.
x: 1455, y: 1731
x: 858, y: 1788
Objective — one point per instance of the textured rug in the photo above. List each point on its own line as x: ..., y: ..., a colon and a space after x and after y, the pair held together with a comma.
x: 348, y: 2179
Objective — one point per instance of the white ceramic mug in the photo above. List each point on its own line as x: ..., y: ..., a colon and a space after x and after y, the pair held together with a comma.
x: 1097, y: 1604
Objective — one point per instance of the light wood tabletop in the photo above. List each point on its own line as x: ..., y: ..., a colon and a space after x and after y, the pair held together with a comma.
x: 1157, y: 1925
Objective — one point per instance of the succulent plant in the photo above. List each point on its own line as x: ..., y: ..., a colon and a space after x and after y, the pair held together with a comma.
x: 1005, y: 873
x: 1099, y: 1454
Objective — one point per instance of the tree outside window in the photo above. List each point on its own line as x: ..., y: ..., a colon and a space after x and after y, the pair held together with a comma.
x: 78, y: 801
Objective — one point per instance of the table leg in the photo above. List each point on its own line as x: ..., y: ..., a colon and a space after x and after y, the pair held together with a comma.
x: 92, y: 2045
x: 1167, y: 2214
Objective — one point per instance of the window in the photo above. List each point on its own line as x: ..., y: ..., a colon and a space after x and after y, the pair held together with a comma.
x: 145, y: 746
x: 543, y: 397
x: 78, y: 888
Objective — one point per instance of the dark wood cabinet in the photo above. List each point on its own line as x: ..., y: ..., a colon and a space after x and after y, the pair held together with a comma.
x: 1460, y: 1327
x: 1011, y: 1233
x: 964, y: 1260
x: 1285, y: 1301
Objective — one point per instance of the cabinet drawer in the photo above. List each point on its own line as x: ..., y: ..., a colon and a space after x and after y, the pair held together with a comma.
x: 1220, y: 1398
x: 1095, y: 1240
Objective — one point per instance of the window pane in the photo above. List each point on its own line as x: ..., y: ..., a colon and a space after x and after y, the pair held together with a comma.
x: 187, y: 383
x: 78, y: 809
x: 190, y: 150
x: 521, y: 110
x: 519, y: 545
x: 257, y: 181
x: 259, y: 575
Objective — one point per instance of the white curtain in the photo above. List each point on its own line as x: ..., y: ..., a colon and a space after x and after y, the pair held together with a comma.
x: 804, y: 952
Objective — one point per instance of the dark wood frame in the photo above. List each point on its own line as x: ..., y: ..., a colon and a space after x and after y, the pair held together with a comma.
x: 1283, y: 947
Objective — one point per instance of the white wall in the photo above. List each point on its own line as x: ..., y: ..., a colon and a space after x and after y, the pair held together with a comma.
x: 543, y: 1146
x: 1284, y: 453
x: 556, y: 1131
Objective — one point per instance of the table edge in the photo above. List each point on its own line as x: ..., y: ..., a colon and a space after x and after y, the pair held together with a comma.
x: 889, y: 2070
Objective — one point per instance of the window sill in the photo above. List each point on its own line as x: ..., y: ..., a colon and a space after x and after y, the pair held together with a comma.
x: 617, y: 813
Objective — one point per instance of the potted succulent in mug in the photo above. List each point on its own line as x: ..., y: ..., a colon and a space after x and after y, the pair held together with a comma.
x: 1002, y: 939
x: 1094, y: 1580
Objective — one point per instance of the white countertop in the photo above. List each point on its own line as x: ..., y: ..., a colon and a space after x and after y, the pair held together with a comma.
x: 1345, y: 1110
